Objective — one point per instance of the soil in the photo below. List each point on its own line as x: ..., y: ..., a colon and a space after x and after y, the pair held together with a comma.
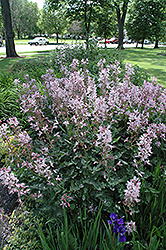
x: 161, y: 54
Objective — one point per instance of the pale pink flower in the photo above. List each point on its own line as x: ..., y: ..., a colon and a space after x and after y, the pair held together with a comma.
x: 130, y: 227
x: 104, y: 137
x: 65, y: 200
x: 132, y: 192
x: 13, y: 121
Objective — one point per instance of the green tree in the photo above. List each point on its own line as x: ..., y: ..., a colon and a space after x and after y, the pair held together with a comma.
x: 121, y: 11
x: 80, y: 10
x: 31, y: 18
x: 76, y: 28
x: 1, y: 22
x: 146, y: 20
x: 105, y: 23
x: 138, y: 25
x: 158, y: 17
x: 52, y: 21
x: 25, y: 16
x: 8, y: 30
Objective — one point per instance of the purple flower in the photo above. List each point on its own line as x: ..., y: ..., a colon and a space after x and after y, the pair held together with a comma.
x: 120, y: 221
x: 118, y: 226
x: 113, y: 217
x: 121, y: 229
x: 121, y: 238
x: 116, y: 229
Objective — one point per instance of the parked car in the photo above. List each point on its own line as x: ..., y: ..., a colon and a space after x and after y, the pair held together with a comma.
x: 114, y: 40
x: 131, y: 41
x: 39, y: 41
x: 1, y: 41
x: 104, y: 41
x: 147, y: 41
x: 125, y: 40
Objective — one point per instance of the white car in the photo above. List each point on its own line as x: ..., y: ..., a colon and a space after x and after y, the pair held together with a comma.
x: 39, y: 41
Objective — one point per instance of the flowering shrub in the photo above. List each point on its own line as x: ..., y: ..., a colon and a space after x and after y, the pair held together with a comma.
x: 87, y: 137
x: 130, y: 227
x: 62, y: 58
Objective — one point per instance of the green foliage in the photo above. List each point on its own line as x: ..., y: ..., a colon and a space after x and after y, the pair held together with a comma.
x: 80, y: 234
x: 22, y: 231
x: 152, y: 223
x: 82, y: 167
x: 146, y: 20
x: 8, y: 97
x: 64, y: 56
x: 105, y: 24
x: 34, y: 67
x: 52, y: 22
x: 24, y: 16
x: 140, y: 75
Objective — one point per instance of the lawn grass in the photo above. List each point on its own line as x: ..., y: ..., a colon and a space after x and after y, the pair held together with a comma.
x: 5, y: 63
x: 149, y: 59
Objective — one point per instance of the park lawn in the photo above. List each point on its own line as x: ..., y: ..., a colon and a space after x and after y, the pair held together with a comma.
x: 149, y: 59
x: 5, y: 63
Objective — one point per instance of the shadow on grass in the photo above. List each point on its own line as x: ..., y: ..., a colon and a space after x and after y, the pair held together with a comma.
x: 5, y: 63
x: 148, y: 59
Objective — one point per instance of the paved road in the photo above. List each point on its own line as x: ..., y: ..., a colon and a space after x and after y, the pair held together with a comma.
x: 28, y: 48
x: 33, y: 48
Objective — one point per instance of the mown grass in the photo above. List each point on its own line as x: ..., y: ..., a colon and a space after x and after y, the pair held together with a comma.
x: 152, y: 60
x: 5, y: 63
x: 148, y: 59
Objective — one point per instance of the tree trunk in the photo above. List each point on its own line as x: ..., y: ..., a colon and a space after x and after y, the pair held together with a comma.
x: 156, y: 44
x: 9, y: 35
x: 120, y: 36
x: 87, y: 22
x: 105, y: 43
x: 121, y: 20
x: 142, y: 43
x: 18, y: 34
x: 57, y: 37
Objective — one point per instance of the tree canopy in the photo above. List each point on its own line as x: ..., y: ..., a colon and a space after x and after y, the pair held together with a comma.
x: 52, y: 21
x: 146, y: 20
x: 105, y: 23
x: 121, y: 11
x: 25, y: 16
x: 80, y: 10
